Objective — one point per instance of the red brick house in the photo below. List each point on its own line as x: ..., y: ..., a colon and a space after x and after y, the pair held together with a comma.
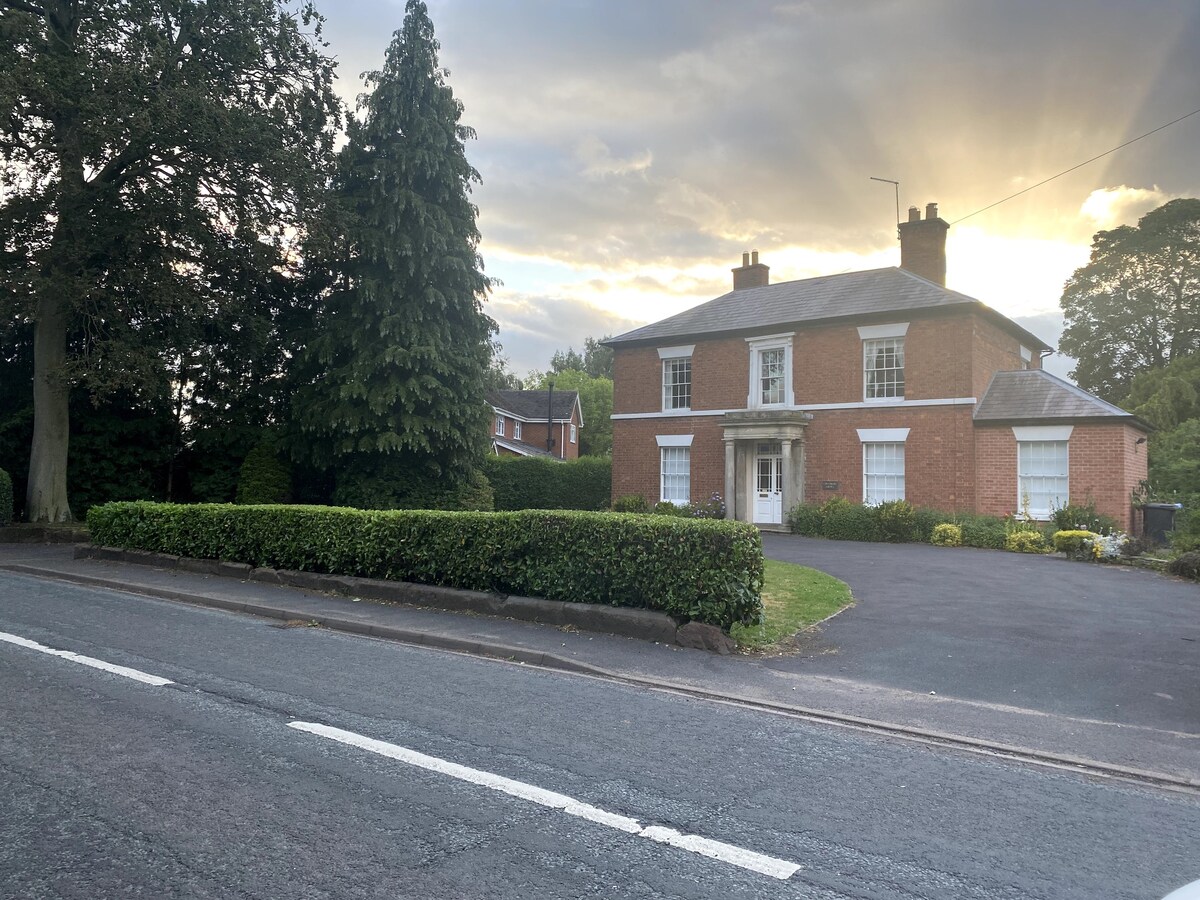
x: 873, y: 386
x: 522, y: 422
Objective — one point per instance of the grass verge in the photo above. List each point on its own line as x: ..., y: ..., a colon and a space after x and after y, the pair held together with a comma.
x: 793, y: 597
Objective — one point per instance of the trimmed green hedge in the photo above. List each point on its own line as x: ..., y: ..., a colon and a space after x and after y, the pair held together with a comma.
x: 6, y: 499
x: 535, y: 482
x: 897, y: 521
x: 709, y: 571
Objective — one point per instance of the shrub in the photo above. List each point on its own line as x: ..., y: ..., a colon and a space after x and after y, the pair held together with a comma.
x: 846, y: 521
x: 263, y: 477
x: 926, y: 520
x: 947, y: 534
x: 631, y: 503
x: 1073, y: 542
x: 708, y: 571
x: 391, y: 484
x: 1185, y: 543
x: 896, y: 521
x: 1187, y: 565
x: 1025, y: 542
x: 1083, y: 517
x: 1136, y: 546
x: 667, y: 508
x: 806, y: 518
x: 983, y: 531
x: 6, y: 499
x: 537, y: 482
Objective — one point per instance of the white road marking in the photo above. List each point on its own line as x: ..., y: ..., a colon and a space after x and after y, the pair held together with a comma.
x: 729, y: 853
x: 123, y: 671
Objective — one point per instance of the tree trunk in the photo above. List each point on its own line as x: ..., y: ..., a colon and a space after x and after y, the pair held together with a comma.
x: 46, y: 497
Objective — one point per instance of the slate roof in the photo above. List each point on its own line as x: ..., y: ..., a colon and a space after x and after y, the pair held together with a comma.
x: 522, y: 447
x: 532, y: 404
x: 1034, y: 395
x: 851, y: 294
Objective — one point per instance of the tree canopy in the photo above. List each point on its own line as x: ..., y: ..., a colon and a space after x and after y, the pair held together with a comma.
x: 393, y: 387
x: 158, y: 157
x: 1136, y: 305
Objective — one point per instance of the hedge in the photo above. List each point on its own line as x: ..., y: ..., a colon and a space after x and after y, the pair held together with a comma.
x: 536, y: 482
x: 709, y: 571
x: 6, y: 499
x: 897, y: 521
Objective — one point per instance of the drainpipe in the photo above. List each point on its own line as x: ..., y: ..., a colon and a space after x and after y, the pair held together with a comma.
x: 550, y: 419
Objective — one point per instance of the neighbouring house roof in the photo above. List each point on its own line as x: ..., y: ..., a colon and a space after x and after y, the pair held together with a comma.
x: 531, y: 405
x: 870, y: 293
x: 522, y: 447
x: 1034, y: 395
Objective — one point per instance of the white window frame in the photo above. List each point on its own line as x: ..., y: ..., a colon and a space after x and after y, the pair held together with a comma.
x: 574, y: 433
x: 516, y: 431
x: 669, y: 358
x: 759, y: 346
x: 1026, y: 357
x: 875, y: 437
x: 873, y: 336
x: 500, y: 426
x: 1031, y: 436
x: 677, y: 448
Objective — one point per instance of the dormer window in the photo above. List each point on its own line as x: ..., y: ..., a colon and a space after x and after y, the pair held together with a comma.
x: 770, y: 371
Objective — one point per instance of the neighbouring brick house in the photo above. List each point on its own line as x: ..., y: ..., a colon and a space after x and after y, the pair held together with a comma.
x: 873, y: 386
x: 523, y: 420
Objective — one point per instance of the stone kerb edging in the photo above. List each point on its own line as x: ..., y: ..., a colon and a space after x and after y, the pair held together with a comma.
x: 644, y: 624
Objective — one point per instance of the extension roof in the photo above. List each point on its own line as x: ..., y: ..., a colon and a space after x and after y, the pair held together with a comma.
x: 851, y: 295
x: 1034, y: 395
x: 523, y: 448
x: 530, y: 406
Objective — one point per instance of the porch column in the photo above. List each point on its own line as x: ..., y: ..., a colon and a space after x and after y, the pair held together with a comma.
x: 730, y: 479
x: 788, y: 479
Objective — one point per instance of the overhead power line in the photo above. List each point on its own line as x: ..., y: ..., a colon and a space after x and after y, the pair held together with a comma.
x: 1079, y: 166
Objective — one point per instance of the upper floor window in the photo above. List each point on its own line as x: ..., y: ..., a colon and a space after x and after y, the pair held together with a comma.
x: 500, y: 425
x: 770, y: 371
x: 883, y: 361
x: 676, y: 377
x: 574, y: 433
x: 1026, y: 357
x: 517, y: 430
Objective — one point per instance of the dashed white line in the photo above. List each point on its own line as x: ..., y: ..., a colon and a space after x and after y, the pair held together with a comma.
x: 728, y: 853
x: 123, y: 671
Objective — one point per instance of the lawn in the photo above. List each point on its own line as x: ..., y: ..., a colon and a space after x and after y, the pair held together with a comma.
x: 793, y: 597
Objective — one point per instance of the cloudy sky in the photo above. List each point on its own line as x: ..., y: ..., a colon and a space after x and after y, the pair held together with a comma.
x: 632, y: 149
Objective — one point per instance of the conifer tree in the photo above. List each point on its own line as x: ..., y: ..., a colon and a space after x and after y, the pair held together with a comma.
x: 393, y: 397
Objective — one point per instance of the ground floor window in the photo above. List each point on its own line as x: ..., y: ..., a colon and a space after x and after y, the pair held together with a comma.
x: 676, y: 474
x: 1041, y: 477
x: 883, y: 472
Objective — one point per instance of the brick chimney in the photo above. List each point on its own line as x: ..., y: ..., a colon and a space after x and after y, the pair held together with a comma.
x: 751, y: 273
x: 923, y: 244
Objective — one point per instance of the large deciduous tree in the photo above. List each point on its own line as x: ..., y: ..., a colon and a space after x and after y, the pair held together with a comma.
x: 1136, y: 305
x: 146, y: 143
x: 394, y: 399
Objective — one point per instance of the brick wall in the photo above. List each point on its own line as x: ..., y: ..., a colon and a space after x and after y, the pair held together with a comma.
x: 636, y: 456
x: 994, y: 350
x: 1104, y: 464
x: 939, y: 465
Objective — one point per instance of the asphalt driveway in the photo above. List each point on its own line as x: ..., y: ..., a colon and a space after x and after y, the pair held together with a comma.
x: 1091, y: 641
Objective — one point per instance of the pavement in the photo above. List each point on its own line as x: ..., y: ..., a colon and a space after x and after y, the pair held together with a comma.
x: 846, y: 691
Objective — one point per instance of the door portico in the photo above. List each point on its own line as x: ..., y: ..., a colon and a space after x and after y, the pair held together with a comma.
x: 764, y: 464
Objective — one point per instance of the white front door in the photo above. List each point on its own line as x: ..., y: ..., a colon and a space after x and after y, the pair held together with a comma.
x: 768, y: 484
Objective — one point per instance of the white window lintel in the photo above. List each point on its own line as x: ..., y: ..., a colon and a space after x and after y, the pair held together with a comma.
x: 674, y: 440
x: 1042, y: 432
x: 883, y: 435
x: 675, y: 352
x: 870, y: 332
x: 768, y: 340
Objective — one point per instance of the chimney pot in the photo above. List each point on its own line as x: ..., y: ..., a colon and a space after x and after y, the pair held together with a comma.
x: 746, y: 258
x: 754, y: 257
x: 914, y: 214
x: 931, y: 211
